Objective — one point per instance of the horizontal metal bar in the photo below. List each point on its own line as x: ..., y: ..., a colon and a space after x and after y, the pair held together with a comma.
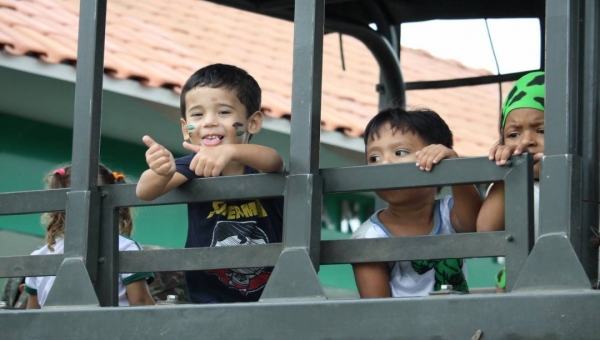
x: 202, y: 190
x: 28, y: 202
x: 540, y: 315
x: 40, y: 265
x: 448, y: 172
x: 467, y: 245
x: 264, y: 255
x: 471, y: 81
x: 407, y: 175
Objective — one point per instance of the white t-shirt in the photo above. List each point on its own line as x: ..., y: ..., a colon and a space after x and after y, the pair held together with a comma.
x: 41, y: 285
x: 404, y: 280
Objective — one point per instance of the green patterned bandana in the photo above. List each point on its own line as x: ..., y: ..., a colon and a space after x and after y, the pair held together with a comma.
x: 528, y: 92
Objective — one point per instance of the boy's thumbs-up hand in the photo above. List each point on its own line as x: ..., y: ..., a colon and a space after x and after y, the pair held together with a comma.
x: 159, y: 159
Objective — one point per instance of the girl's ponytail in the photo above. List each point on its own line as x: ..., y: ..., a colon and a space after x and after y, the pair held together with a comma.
x: 55, y: 221
x: 125, y: 217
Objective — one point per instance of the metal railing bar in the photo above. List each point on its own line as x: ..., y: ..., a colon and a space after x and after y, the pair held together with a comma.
x: 468, y: 245
x: 202, y: 190
x: 199, y: 258
x: 36, y: 201
x: 407, y: 175
x: 27, y: 265
x: 336, y: 180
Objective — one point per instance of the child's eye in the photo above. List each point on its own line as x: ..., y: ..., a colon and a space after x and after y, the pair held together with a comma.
x: 540, y: 131
x: 374, y: 159
x: 224, y: 112
x: 401, y: 152
x: 513, y: 135
x: 196, y: 114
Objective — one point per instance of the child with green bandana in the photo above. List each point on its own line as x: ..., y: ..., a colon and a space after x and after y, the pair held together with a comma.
x: 521, y: 130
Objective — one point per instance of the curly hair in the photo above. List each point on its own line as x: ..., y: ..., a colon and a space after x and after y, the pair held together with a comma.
x: 55, y: 222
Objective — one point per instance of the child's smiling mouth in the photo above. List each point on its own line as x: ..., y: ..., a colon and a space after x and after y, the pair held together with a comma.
x: 212, y: 140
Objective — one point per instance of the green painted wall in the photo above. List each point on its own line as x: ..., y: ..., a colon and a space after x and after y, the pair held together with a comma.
x: 29, y: 150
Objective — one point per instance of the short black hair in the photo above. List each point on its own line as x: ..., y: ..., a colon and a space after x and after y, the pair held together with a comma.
x: 227, y: 77
x: 425, y: 123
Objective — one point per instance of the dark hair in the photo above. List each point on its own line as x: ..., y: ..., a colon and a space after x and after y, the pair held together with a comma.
x: 425, y: 123
x: 227, y: 77
x: 61, y: 178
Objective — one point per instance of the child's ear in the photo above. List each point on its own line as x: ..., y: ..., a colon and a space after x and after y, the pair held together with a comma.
x: 184, y: 129
x: 255, y: 122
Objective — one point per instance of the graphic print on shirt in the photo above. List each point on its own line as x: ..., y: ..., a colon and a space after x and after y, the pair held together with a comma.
x: 232, y: 212
x: 233, y: 233
x: 447, y: 272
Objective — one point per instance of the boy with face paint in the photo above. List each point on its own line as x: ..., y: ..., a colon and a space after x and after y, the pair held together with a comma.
x: 521, y: 130
x: 220, y: 111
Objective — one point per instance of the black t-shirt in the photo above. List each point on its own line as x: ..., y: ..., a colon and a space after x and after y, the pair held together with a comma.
x: 237, y: 222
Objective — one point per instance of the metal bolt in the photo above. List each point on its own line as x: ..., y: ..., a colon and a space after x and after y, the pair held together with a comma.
x: 509, y: 238
x: 101, y: 260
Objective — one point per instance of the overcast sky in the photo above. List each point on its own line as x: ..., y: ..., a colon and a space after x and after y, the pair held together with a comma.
x: 516, y: 41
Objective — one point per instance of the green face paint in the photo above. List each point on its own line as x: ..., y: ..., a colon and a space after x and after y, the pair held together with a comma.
x: 237, y: 125
x: 528, y: 92
x: 190, y: 127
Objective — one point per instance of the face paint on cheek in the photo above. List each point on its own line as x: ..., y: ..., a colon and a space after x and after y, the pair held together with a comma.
x: 237, y: 125
x: 190, y: 128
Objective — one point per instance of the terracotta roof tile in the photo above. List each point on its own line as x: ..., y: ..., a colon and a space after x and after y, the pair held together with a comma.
x: 160, y: 44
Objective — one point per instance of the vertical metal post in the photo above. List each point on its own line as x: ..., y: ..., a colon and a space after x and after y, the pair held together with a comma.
x: 83, y: 204
x: 563, y: 59
x: 386, y: 93
x: 559, y: 244
x: 563, y: 105
x: 107, y: 284
x: 306, y: 130
x: 299, y: 261
x: 589, y: 148
x: 519, y: 230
